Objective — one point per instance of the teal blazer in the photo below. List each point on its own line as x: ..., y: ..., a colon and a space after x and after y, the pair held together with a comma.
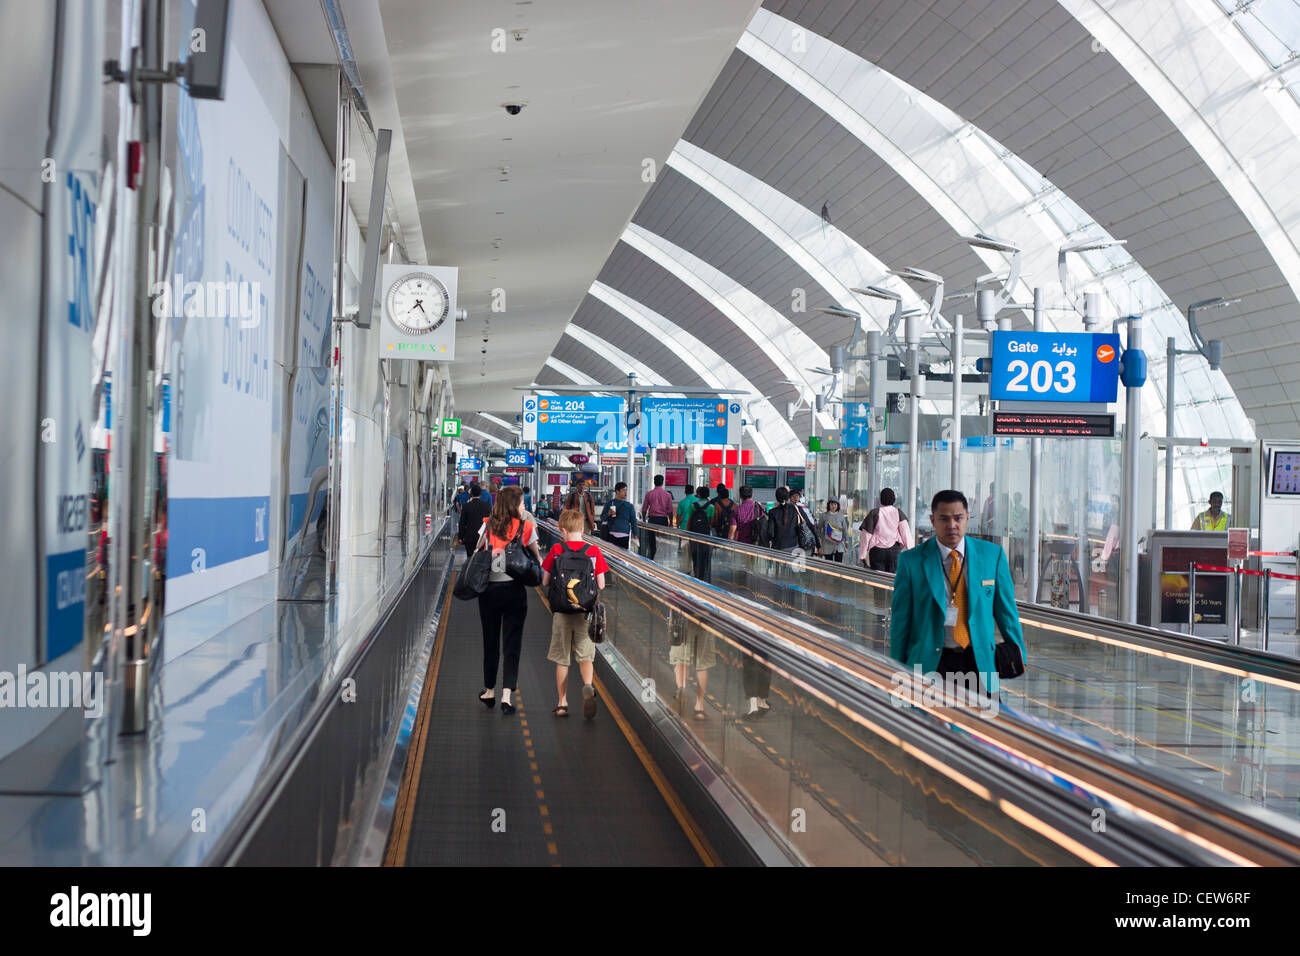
x: 920, y: 597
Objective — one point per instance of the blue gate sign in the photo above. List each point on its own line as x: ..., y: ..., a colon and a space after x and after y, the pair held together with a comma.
x: 519, y: 458
x: 469, y: 464
x: 690, y: 421
x: 1054, y: 366
x: 580, y: 418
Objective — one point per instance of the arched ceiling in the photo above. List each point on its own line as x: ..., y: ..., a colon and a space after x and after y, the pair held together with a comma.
x: 1170, y: 124
x: 1045, y: 107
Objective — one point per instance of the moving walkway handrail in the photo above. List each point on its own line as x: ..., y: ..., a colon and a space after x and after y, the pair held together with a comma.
x: 1201, y: 651
x: 1165, y: 814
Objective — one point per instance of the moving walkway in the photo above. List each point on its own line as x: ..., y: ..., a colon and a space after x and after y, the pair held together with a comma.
x: 841, y: 770
x: 1225, y: 718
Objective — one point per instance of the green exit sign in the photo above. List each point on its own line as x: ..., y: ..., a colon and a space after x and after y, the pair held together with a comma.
x: 823, y: 443
x: 451, y: 427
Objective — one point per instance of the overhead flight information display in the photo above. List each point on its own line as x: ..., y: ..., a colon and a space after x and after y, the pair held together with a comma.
x: 1049, y: 424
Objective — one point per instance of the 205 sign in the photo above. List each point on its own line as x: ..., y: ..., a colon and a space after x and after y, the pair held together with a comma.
x: 1054, y: 367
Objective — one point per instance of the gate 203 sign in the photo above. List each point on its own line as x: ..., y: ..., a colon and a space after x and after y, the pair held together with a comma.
x: 1054, y: 367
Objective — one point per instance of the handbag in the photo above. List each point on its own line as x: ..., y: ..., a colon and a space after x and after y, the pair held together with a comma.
x: 834, y: 534
x: 473, y: 581
x: 807, y: 538
x: 1008, y: 660
x: 596, y: 623
x: 520, y: 563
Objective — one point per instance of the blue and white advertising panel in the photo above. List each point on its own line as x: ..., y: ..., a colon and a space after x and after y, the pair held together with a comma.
x: 226, y: 205
x: 597, y: 419
x: 690, y: 421
x: 856, y: 432
x: 1054, y: 367
x: 519, y: 458
x: 65, y: 419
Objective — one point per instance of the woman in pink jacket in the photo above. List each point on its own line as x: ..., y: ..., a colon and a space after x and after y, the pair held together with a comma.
x: 885, y: 533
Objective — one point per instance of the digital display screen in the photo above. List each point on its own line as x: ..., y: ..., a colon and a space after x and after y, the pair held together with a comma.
x: 794, y: 480
x: 676, y: 477
x: 509, y: 479
x: 1054, y: 424
x: 555, y: 479
x: 1286, y: 473
x: 760, y: 477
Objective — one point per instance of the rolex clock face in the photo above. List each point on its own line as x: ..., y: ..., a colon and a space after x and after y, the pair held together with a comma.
x: 418, y: 303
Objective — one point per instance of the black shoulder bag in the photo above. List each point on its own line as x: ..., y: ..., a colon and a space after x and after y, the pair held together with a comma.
x: 473, y: 580
x: 520, y: 563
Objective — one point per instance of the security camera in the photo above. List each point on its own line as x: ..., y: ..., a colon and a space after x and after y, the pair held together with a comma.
x: 514, y: 109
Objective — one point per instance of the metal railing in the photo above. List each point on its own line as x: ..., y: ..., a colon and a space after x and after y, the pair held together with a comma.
x: 1010, y: 769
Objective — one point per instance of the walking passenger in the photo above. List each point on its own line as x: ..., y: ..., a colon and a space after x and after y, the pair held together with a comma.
x: 504, y: 605
x: 787, y: 518
x: 657, y: 508
x: 723, y: 508
x: 471, y: 519
x: 684, y: 506
x: 700, y: 521
x: 949, y: 594
x: 580, y: 500
x: 885, y: 533
x: 742, y: 517
x: 619, y: 517
x: 813, y: 543
x: 573, y: 574
x: 834, y: 527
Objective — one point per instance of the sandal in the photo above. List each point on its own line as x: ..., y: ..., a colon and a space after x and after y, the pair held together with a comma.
x: 699, y: 714
x: 561, y: 711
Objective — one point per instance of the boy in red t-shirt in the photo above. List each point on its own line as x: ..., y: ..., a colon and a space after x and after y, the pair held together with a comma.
x: 569, y: 631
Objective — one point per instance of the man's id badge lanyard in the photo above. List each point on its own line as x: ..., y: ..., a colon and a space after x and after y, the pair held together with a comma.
x: 950, y: 612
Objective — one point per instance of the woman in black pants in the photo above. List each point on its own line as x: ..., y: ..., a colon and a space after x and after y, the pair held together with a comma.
x: 504, y: 605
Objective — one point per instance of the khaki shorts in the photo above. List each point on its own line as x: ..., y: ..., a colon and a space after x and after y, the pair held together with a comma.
x: 569, y: 636
x: 697, y: 651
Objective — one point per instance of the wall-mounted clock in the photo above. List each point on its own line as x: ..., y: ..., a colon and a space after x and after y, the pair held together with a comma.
x: 418, y: 303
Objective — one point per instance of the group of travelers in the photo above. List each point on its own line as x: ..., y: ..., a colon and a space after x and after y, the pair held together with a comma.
x: 788, y: 524
x: 572, y: 574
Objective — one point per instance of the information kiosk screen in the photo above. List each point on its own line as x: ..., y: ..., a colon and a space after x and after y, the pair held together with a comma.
x: 1286, y: 473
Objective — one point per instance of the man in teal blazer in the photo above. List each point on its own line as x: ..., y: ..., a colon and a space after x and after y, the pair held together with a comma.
x: 947, y: 628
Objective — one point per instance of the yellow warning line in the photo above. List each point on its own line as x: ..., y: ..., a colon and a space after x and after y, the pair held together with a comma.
x: 684, y: 818
x: 404, y: 811
x: 678, y: 809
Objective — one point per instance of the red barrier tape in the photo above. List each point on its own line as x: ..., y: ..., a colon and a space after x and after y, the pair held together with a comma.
x: 1271, y: 554
x: 1259, y: 574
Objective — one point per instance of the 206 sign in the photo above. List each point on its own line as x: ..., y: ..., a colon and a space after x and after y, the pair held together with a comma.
x: 1054, y: 367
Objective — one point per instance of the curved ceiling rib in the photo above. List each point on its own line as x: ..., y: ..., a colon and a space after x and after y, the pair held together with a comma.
x: 574, y: 375
x: 822, y: 250
x: 785, y: 344
x: 486, y: 435
x: 975, y: 184
x: 615, y: 356
x: 1185, y: 55
x: 707, y: 364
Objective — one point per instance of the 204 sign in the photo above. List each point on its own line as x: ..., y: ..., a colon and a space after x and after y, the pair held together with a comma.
x: 1054, y: 366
